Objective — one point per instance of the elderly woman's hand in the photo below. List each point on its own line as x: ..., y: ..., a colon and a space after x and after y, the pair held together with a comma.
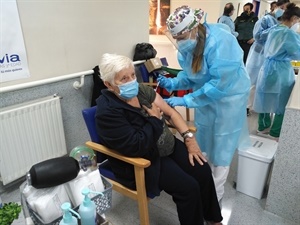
x: 194, y: 151
x: 154, y: 111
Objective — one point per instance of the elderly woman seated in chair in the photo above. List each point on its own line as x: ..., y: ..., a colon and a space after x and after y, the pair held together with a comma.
x: 130, y: 118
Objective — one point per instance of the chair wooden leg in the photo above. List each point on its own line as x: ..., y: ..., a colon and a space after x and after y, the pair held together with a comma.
x: 142, y: 198
x: 187, y: 112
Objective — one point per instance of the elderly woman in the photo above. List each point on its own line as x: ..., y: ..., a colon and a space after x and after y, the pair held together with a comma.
x: 130, y: 118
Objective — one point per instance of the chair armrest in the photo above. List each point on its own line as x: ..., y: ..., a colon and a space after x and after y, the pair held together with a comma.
x: 139, y: 162
x: 190, y: 125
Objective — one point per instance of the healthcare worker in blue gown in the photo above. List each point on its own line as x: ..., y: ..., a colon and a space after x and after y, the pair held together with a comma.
x: 212, y: 63
x: 255, y: 57
x: 277, y: 77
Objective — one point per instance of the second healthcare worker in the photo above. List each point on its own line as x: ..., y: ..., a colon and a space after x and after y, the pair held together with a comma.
x: 277, y: 77
x: 255, y: 57
x: 212, y: 63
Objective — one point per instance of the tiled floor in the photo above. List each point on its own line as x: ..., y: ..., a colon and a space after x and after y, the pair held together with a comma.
x: 237, y: 208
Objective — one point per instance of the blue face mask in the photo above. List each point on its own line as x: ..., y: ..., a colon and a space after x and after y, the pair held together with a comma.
x: 129, y: 89
x: 185, y: 46
x: 278, y: 12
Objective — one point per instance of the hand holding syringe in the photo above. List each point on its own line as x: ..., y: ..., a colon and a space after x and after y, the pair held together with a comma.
x: 156, y: 86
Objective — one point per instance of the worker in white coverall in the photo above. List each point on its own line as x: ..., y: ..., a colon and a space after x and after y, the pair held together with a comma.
x: 212, y: 63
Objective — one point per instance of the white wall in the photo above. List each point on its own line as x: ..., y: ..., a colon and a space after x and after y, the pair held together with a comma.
x: 63, y: 37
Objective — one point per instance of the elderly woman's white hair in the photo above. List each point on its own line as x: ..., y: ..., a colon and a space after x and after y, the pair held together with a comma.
x: 111, y: 64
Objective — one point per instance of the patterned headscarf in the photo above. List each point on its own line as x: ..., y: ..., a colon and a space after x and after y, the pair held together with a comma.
x: 184, y: 19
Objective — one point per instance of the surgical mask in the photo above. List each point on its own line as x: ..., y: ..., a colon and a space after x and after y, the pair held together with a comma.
x: 278, y: 12
x: 187, y: 45
x: 129, y: 89
x: 295, y: 27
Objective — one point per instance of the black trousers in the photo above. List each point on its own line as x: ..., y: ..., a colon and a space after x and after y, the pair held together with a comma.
x: 192, y: 187
x: 246, y: 47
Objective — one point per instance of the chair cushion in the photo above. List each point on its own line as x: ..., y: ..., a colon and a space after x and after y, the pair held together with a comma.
x: 89, y: 118
x: 106, y: 171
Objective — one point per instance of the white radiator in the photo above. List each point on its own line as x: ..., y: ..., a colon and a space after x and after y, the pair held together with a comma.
x: 30, y: 132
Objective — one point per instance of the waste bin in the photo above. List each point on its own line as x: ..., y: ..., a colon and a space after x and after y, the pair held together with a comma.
x: 254, y: 166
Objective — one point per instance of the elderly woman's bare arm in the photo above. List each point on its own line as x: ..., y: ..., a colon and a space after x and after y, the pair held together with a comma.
x: 178, y: 122
x: 171, y: 114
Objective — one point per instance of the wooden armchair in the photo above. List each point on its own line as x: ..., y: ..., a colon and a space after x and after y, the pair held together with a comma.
x: 139, y: 164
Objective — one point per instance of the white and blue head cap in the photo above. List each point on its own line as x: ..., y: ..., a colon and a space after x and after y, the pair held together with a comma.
x: 183, y: 19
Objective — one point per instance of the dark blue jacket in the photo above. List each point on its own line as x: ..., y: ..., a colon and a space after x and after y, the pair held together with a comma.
x: 244, y: 25
x: 125, y: 129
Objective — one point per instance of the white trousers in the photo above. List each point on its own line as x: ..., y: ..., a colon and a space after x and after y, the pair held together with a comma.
x: 251, y: 97
x: 220, y: 174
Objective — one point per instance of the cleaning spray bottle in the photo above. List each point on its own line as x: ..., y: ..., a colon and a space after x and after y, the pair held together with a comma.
x: 87, y: 209
x: 68, y: 219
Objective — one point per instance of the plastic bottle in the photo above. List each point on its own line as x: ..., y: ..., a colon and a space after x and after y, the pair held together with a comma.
x: 85, y: 156
x: 53, y: 172
x: 87, y: 209
x: 68, y: 219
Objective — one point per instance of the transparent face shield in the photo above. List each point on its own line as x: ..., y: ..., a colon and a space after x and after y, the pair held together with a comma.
x: 183, y: 19
x: 181, y: 28
x: 193, y: 35
x: 186, y: 35
x: 170, y: 37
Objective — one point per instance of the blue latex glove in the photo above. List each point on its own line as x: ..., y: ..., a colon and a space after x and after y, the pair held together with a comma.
x: 165, y: 82
x: 176, y: 101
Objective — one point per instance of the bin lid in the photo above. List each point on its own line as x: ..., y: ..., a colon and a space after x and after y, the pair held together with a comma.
x: 262, y: 149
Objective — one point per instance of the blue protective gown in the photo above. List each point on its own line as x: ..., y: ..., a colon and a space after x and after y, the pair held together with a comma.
x: 228, y: 21
x: 277, y: 77
x: 256, y: 54
x: 220, y: 93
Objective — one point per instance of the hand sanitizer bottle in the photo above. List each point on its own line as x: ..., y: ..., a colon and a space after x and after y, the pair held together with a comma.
x: 87, y: 209
x: 68, y: 219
